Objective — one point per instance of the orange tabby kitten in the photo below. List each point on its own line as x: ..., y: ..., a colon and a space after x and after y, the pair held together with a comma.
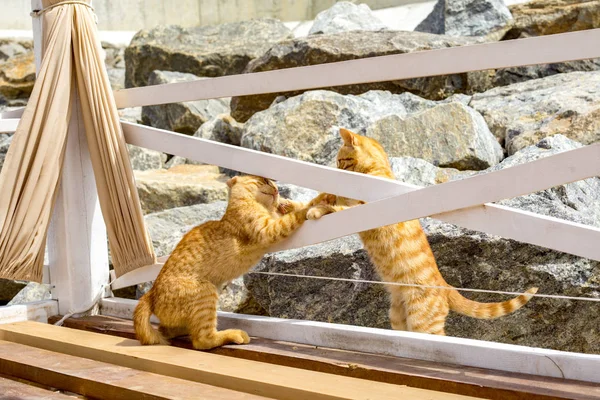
x: 185, y: 293
x: 401, y: 253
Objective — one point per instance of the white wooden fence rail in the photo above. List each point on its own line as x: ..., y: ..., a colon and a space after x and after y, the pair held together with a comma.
x: 510, y: 53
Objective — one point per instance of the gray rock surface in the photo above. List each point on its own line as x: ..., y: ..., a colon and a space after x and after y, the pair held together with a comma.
x: 344, y: 16
x: 9, y: 289
x: 448, y: 135
x: 221, y: 128
x: 10, y: 48
x: 521, y: 114
x: 179, y: 186
x: 181, y: 117
x: 508, y: 76
x: 305, y: 127
x: 143, y: 159
x: 467, y: 18
x: 5, y: 141
x: 203, y: 51
x: 32, y: 292
x: 466, y: 259
x: 17, y: 76
x: 416, y: 171
x: 321, y: 49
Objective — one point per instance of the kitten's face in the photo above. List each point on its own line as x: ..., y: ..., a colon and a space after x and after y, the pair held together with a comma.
x: 360, y: 153
x: 262, y: 189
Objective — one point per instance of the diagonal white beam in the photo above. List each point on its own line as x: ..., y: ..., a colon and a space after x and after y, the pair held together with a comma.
x: 9, y: 125
x: 538, y: 50
x: 391, y: 201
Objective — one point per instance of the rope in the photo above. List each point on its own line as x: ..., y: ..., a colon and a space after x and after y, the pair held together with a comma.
x: 39, y: 13
x: 549, y: 296
x: 82, y: 310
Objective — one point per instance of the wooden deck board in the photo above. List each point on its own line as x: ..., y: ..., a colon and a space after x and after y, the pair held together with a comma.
x: 101, y: 380
x: 14, y: 390
x: 468, y: 381
x: 259, y: 378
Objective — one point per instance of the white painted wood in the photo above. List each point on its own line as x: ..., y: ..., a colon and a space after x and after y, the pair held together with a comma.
x: 510, y: 53
x: 37, y: 311
x: 17, y: 113
x: 8, y: 125
x: 467, y: 352
x: 77, y: 248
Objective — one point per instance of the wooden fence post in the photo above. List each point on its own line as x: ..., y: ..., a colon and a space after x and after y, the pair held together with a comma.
x: 77, y: 244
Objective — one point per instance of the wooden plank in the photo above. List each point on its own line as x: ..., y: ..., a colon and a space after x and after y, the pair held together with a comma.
x: 13, y: 390
x: 9, y: 125
x: 418, y: 346
x: 227, y: 372
x: 36, y: 311
x: 538, y: 50
x: 101, y: 380
x: 463, y: 380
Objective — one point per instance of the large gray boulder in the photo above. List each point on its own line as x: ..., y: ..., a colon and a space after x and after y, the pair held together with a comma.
x: 466, y: 259
x: 305, y: 127
x: 508, y: 76
x: 448, y: 135
x: 179, y: 186
x: 468, y: 18
x: 344, y: 16
x: 143, y: 159
x: 521, y: 114
x: 17, y: 76
x: 203, y: 51
x: 13, y: 47
x: 547, y: 17
x: 322, y: 49
x: 181, y: 117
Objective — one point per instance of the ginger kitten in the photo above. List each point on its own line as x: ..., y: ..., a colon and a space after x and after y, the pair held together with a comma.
x: 401, y: 253
x: 185, y: 293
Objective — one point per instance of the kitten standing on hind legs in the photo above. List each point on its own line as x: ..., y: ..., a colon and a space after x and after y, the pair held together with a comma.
x: 401, y: 253
x: 185, y: 294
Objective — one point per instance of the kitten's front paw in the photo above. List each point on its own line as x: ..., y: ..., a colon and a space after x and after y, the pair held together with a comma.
x: 239, y: 336
x: 318, y: 211
x: 322, y: 199
x: 285, y: 206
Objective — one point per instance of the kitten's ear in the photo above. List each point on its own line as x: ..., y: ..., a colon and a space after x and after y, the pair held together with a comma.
x: 231, y: 181
x: 348, y: 137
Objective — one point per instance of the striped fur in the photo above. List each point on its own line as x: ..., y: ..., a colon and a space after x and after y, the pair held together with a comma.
x: 401, y: 253
x: 185, y: 294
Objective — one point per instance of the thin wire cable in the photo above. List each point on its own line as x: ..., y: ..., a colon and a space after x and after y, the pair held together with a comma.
x: 549, y: 296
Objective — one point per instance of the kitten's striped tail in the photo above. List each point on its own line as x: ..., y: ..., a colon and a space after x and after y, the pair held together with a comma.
x: 144, y: 331
x: 475, y: 309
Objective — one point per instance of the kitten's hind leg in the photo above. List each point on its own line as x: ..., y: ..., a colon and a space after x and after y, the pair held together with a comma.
x: 170, y: 332
x: 397, y: 314
x: 202, y: 322
x: 427, y: 313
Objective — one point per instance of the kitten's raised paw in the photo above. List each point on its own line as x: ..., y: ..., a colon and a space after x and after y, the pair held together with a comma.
x: 318, y: 211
